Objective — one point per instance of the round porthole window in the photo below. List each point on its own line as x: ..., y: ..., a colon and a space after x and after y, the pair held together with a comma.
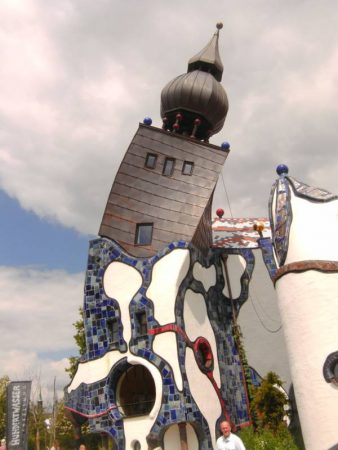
x: 330, y: 368
x: 135, y: 391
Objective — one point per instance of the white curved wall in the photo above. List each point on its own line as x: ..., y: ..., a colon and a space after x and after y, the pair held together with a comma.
x: 121, y: 282
x: 168, y: 274
x: 197, y: 324
x: 192, y: 438
x: 172, y: 438
x: 309, y: 310
x: 314, y: 233
x: 207, y: 276
x: 235, y: 265
x: 94, y: 370
x: 165, y: 345
x: 204, y: 394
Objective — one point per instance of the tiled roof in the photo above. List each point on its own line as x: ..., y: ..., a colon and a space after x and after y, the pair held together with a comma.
x: 238, y: 233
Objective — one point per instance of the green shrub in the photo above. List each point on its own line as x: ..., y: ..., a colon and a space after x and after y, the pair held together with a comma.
x: 269, y: 401
x: 266, y: 439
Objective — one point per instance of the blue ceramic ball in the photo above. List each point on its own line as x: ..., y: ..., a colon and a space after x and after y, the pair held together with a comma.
x: 282, y: 168
x: 225, y: 146
x: 147, y: 121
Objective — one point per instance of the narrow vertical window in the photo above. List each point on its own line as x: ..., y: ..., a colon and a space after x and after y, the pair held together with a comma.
x: 168, y: 167
x: 188, y: 167
x: 144, y: 233
x: 141, y: 319
x: 151, y: 159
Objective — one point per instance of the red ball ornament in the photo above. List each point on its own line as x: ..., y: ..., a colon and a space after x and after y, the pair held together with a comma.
x: 178, y: 116
x: 220, y: 212
x: 176, y: 126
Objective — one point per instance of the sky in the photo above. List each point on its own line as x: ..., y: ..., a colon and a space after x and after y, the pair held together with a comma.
x: 77, y: 76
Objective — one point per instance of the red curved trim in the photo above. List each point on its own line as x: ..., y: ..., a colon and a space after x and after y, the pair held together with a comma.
x: 193, y: 345
x: 170, y: 327
x: 222, y: 402
x: 91, y: 416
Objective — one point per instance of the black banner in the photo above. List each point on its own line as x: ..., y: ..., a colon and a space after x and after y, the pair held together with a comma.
x: 18, y: 393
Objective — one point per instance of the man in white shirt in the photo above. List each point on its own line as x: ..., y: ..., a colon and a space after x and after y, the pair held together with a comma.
x: 228, y: 441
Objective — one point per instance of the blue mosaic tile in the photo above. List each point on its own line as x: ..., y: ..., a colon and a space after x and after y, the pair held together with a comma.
x: 280, y: 226
x: 177, y: 405
x: 268, y: 256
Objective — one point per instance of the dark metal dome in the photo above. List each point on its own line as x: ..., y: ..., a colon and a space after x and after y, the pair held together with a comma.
x: 195, y: 94
x: 195, y: 103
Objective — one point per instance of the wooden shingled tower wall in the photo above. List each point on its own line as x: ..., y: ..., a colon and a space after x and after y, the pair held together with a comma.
x: 177, y: 205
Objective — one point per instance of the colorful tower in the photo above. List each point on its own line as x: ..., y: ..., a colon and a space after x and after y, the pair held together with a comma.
x: 305, y: 239
x: 162, y: 365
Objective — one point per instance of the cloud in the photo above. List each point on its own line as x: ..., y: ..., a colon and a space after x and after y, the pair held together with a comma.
x: 37, y: 310
x: 78, y: 79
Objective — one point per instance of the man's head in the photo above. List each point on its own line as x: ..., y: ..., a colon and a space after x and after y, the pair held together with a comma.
x: 225, y: 428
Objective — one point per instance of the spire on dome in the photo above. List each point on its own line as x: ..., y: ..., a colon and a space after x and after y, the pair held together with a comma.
x: 208, y: 59
x: 195, y: 104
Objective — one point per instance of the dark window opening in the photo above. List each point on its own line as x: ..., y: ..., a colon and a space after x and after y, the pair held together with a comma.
x: 141, y: 323
x: 151, y: 161
x: 204, y: 354
x: 137, y: 445
x: 113, y: 331
x: 144, y: 233
x: 188, y: 167
x: 135, y: 393
x: 330, y: 369
x: 168, y: 167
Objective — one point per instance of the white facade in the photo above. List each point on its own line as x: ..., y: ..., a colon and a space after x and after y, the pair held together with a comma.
x: 309, y: 310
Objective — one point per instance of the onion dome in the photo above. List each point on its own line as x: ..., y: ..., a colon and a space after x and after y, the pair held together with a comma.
x: 195, y: 104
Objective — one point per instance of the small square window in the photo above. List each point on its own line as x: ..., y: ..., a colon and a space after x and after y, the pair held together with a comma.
x: 150, y: 161
x: 168, y: 167
x: 144, y: 233
x: 188, y: 167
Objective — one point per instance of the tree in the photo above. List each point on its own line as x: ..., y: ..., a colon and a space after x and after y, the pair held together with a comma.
x: 64, y: 428
x: 3, y: 385
x: 269, y: 402
x: 268, y: 405
x: 80, y: 339
x: 36, y: 427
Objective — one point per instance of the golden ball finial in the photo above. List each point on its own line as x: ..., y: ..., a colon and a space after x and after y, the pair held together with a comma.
x: 258, y: 226
x: 219, y: 25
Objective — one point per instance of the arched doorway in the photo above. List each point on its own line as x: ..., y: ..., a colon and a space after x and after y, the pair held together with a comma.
x: 181, y: 436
